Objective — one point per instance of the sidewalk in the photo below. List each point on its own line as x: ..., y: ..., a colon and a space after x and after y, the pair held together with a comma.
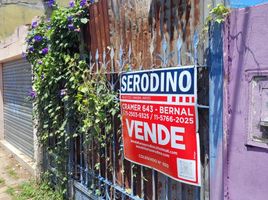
x: 11, y: 175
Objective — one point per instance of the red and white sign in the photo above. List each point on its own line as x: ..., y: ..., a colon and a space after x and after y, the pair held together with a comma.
x: 159, y: 121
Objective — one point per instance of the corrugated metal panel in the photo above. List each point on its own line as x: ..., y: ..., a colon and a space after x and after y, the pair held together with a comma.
x: 18, y: 125
x: 98, y: 28
x: 148, y: 25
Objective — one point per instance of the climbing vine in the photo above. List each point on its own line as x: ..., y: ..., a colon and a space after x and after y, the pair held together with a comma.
x: 69, y: 100
x: 217, y: 14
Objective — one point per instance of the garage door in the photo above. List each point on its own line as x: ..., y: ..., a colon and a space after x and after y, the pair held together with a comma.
x: 18, y: 124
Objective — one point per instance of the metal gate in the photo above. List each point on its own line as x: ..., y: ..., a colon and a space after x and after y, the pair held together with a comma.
x: 18, y: 124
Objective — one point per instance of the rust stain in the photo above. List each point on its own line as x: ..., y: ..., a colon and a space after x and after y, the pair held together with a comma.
x: 148, y: 185
x: 101, y: 24
x: 106, y: 22
x: 97, y: 30
x: 133, y: 36
x: 196, y: 12
x: 127, y: 175
x: 187, y: 26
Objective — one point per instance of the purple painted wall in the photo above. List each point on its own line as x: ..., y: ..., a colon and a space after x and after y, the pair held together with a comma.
x: 245, y: 62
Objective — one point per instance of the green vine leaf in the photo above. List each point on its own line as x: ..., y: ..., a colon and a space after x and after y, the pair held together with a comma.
x: 218, y: 13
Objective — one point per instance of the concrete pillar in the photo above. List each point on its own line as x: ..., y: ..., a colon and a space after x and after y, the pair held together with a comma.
x: 38, y: 154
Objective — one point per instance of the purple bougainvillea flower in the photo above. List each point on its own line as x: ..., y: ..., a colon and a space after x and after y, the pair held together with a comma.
x: 45, y: 51
x: 83, y: 3
x: 32, y: 94
x: 31, y: 49
x: 71, y: 4
x: 40, y: 62
x: 63, y: 92
x: 70, y: 18
x: 71, y: 26
x: 42, y: 76
x: 38, y: 38
x: 51, y: 3
x: 34, y: 24
x: 92, y: 1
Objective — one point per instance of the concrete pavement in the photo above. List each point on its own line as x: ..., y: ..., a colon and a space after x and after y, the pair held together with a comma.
x: 11, y: 174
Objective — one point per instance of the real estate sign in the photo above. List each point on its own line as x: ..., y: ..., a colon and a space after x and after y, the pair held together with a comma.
x: 159, y: 121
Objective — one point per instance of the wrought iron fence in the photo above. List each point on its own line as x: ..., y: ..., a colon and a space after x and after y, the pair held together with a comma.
x: 101, y: 171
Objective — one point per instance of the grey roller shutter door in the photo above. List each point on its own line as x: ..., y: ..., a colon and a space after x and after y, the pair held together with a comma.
x: 18, y: 123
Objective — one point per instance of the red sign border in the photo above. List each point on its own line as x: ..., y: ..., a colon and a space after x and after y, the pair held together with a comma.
x: 198, y: 169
